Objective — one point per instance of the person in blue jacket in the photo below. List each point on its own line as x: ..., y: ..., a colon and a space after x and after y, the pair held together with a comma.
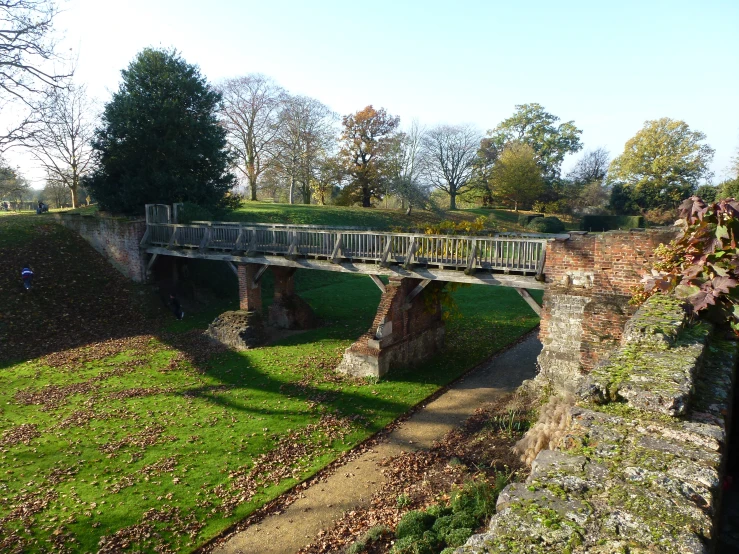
x: 27, y: 276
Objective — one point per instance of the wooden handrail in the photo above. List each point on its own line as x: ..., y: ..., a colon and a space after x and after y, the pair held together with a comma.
x: 521, y: 253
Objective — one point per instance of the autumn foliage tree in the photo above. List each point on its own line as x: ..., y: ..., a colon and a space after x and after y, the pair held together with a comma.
x: 367, y: 142
x: 516, y: 176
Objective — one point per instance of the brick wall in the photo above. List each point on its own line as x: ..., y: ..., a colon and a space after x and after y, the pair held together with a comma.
x: 116, y: 239
x: 597, y: 272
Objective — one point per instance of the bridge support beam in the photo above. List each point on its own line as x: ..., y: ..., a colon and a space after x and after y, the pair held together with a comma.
x: 288, y: 310
x: 407, y: 330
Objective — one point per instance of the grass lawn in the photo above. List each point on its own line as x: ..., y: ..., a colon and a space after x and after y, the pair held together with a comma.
x: 351, y: 216
x: 160, y: 440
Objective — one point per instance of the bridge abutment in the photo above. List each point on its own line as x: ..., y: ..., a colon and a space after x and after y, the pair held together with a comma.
x: 407, y: 329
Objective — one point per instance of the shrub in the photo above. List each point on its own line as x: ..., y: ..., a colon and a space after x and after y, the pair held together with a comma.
x: 438, y: 510
x: 463, y: 519
x: 432, y: 540
x: 357, y: 547
x: 456, y: 529
x: 190, y: 212
x: 611, y: 222
x: 411, y: 545
x: 525, y: 219
x: 701, y: 265
x: 377, y: 532
x: 442, y: 525
x: 476, y: 498
x: 549, y: 224
x: 481, y: 226
x: 660, y: 217
x: 459, y: 536
x: 414, y: 524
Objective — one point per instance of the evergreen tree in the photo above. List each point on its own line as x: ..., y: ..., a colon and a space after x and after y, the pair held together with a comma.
x: 160, y: 140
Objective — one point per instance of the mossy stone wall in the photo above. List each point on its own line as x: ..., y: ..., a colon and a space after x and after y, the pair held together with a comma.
x: 640, y: 466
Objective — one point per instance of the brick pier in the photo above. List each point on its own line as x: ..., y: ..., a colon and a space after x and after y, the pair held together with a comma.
x: 407, y: 329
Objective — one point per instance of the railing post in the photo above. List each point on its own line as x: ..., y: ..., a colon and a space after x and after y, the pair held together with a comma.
x: 173, y: 238
x: 337, y: 253
x: 470, y: 269
x: 411, y: 255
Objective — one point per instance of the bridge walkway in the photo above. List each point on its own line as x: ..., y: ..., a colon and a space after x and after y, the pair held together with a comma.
x: 514, y: 260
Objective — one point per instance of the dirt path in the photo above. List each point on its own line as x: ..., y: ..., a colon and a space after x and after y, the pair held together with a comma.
x: 352, y: 485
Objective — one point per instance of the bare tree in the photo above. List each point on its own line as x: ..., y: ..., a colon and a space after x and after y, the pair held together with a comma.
x: 61, y: 138
x: 26, y: 51
x: 449, y: 154
x: 406, y: 181
x: 251, y: 110
x: 57, y: 192
x: 592, y: 166
x: 306, y: 136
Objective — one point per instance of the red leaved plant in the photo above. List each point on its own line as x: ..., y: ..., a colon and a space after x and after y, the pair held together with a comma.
x: 701, y: 264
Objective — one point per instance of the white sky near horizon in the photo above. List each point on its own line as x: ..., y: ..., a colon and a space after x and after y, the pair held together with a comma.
x: 608, y: 66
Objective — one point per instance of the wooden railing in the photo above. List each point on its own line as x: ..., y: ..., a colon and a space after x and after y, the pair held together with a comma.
x: 506, y: 253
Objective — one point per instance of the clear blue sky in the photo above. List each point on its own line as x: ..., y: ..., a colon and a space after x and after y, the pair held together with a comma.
x: 609, y: 66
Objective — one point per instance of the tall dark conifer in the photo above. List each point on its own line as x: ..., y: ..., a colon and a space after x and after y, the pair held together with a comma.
x: 160, y: 140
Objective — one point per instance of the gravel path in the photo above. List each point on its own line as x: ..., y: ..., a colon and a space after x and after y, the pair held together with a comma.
x: 353, y: 484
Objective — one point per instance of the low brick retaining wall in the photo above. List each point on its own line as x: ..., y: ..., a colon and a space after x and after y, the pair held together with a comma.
x: 116, y: 239
x: 639, y: 466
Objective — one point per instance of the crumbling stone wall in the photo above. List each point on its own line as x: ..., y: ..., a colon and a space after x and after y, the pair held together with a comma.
x: 640, y: 464
x: 115, y: 238
x: 590, y: 277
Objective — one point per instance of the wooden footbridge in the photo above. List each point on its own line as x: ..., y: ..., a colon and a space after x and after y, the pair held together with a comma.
x: 408, y: 326
x: 513, y: 260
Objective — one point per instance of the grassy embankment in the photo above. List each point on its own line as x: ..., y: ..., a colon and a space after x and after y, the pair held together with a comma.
x: 154, y: 439
x: 374, y: 218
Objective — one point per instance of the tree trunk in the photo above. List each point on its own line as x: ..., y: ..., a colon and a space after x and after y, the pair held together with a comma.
x: 366, y: 197
x: 74, y: 195
x: 253, y: 187
x: 452, y: 200
x: 292, y: 189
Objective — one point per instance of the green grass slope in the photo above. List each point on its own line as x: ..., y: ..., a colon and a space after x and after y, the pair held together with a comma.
x: 155, y: 439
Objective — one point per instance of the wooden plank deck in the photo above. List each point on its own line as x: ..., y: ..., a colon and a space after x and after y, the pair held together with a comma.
x: 508, y: 260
